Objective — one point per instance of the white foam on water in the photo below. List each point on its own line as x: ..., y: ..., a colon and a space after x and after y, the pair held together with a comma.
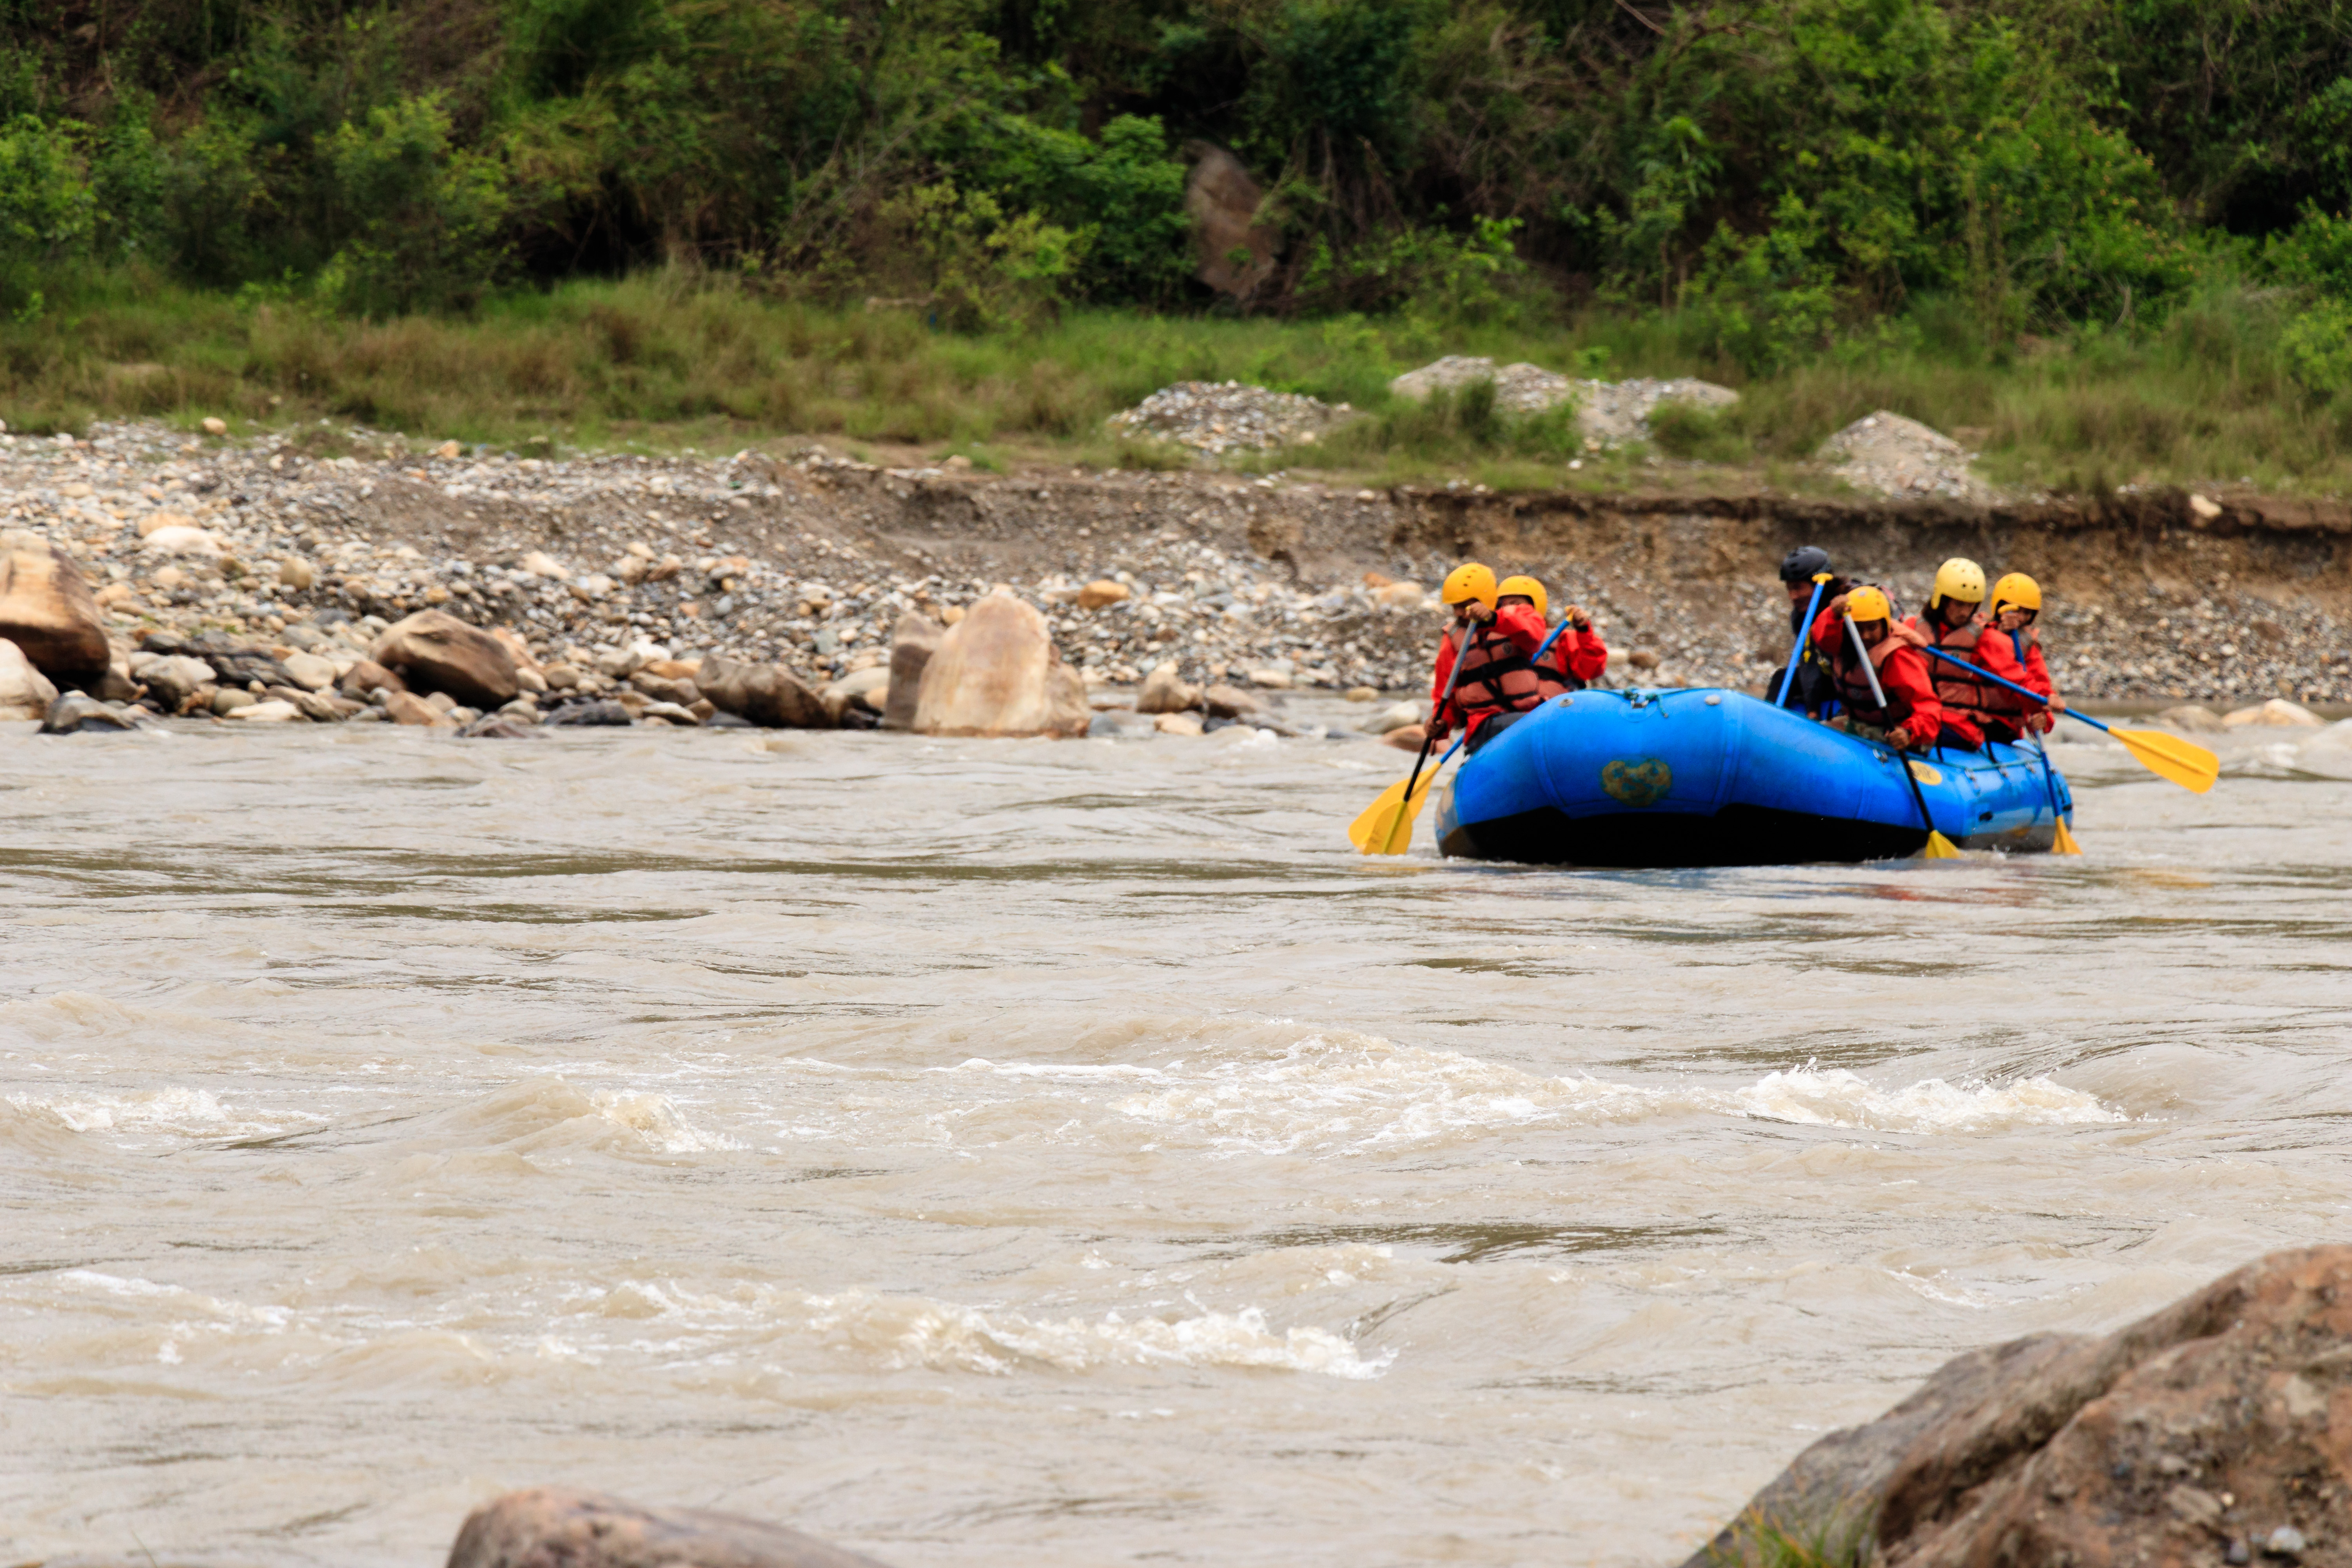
x: 1837, y: 1098
x: 913, y: 1331
x: 1341, y: 1092
x: 191, y: 1111
x: 656, y: 1119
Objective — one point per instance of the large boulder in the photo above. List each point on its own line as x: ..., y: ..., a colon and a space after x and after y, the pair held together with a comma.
x: 998, y: 673
x: 912, y: 642
x: 47, y: 610
x: 2216, y: 1430
x: 552, y: 1527
x: 766, y: 694
x: 433, y: 651
x: 24, y: 691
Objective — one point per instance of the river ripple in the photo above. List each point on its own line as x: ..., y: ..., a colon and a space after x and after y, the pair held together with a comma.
x: 981, y: 1152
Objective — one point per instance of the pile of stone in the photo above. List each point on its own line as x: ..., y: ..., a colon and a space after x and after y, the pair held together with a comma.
x: 1611, y: 414
x: 1213, y: 417
x: 1886, y: 454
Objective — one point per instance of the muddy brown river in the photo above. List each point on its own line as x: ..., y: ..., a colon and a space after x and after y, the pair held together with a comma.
x: 982, y: 1153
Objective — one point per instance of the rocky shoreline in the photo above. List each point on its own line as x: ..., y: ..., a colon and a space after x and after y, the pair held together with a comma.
x: 611, y: 578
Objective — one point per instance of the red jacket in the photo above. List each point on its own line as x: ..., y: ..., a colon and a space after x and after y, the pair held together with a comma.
x: 1524, y: 629
x: 2028, y: 670
x: 1911, y: 702
x: 1582, y: 654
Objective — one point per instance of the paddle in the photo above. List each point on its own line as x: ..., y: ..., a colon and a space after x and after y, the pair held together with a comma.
x: 2064, y: 843
x: 1939, y: 847
x: 2170, y: 757
x: 1804, y: 636
x: 1385, y: 826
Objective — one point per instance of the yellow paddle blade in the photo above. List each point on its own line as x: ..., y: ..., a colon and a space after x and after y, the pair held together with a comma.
x: 2185, y: 763
x: 2066, y: 844
x: 1939, y: 847
x: 1385, y: 828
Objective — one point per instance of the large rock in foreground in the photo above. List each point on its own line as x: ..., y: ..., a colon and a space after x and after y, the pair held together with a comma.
x: 548, y: 1527
x: 765, y: 694
x: 2217, y: 1430
x: 997, y: 672
x: 433, y: 651
x: 47, y: 611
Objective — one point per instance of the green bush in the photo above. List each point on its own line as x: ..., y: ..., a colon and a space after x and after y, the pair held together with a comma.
x: 421, y: 219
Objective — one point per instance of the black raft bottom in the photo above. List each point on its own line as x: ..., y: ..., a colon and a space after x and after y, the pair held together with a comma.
x: 1736, y: 836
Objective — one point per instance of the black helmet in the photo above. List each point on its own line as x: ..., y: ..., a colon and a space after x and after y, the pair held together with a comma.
x: 1804, y: 563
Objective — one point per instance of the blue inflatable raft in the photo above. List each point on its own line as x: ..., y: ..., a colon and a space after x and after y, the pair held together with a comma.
x: 1718, y: 778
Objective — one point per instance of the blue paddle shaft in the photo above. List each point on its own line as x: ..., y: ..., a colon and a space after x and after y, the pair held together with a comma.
x: 1804, y: 636
x: 1980, y: 672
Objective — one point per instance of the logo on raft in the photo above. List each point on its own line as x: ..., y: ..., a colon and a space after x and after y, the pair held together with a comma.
x: 1637, y: 780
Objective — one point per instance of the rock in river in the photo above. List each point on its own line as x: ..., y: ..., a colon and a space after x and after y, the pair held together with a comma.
x: 766, y: 694
x: 912, y: 642
x: 435, y: 651
x: 998, y: 673
x: 2195, y: 1436
x: 47, y: 610
x: 1166, y: 691
x: 24, y: 691
x: 551, y: 1527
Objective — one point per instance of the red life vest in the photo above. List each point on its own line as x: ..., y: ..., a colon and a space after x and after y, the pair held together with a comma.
x: 2008, y: 710
x: 1495, y: 675
x: 1964, y: 695
x: 1854, y: 687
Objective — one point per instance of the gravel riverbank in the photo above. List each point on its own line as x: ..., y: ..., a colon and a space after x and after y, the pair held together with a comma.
x: 807, y: 559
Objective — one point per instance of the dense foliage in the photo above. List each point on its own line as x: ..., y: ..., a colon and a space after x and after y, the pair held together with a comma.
x: 1786, y: 176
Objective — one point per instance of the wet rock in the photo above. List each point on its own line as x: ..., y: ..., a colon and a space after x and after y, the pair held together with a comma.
x: 2276, y: 714
x: 2077, y: 1448
x: 407, y: 708
x: 1407, y: 737
x: 270, y: 710
x: 549, y: 1527
x: 767, y: 694
x: 497, y: 727
x: 75, y: 714
x: 24, y: 691
x: 435, y: 651
x: 869, y: 689
x: 366, y: 676
x: 1230, y: 702
x: 998, y: 673
x: 227, y: 699
x: 1395, y: 716
x: 310, y: 672
x: 2191, y: 718
x: 596, y: 714
x: 170, y: 678
x: 912, y: 642
x: 47, y: 610
x: 237, y: 666
x: 1166, y: 691
x: 1177, y: 723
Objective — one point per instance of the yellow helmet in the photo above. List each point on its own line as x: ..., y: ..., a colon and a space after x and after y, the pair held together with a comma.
x: 1868, y: 603
x: 1528, y: 588
x: 1467, y: 582
x: 2018, y: 589
x: 1959, y: 579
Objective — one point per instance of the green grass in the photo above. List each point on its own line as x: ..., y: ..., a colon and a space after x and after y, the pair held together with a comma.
x: 677, y: 358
